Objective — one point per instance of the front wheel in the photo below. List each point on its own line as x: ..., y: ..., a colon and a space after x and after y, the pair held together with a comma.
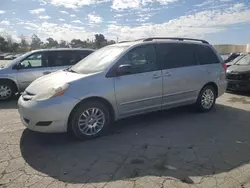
x: 7, y: 91
x: 206, y: 99
x: 90, y: 120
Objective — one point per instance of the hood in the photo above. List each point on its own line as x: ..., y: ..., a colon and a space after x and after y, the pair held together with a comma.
x: 239, y: 69
x: 55, y: 79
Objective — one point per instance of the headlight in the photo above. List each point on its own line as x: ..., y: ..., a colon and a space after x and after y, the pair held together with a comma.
x: 52, y: 92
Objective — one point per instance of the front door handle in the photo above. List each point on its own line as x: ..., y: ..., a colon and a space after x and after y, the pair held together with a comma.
x: 156, y: 76
x: 46, y: 72
x: 167, y: 74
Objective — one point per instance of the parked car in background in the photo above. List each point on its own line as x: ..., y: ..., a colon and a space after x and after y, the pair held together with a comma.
x: 16, y: 76
x: 231, y: 57
x: 2, y: 56
x: 238, y: 75
x: 9, y: 57
x: 122, y: 80
x: 235, y: 60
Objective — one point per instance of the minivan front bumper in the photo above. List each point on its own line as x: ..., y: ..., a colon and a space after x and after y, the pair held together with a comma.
x: 49, y: 116
x: 237, y: 85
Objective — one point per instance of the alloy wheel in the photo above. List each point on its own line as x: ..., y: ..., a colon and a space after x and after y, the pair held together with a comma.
x: 91, y: 121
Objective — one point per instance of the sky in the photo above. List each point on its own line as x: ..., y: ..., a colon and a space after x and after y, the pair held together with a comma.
x: 218, y: 21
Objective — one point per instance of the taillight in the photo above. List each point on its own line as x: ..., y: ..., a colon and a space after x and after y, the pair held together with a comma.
x: 224, y: 65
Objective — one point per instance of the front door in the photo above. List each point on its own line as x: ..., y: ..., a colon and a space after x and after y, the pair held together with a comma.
x: 181, y: 73
x: 140, y: 90
x: 31, y: 68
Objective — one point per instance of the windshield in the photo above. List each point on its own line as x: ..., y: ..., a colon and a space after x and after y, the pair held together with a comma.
x: 244, y: 61
x: 237, y: 59
x: 98, y: 60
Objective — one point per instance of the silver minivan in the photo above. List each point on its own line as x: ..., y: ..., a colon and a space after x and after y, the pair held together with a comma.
x: 122, y: 80
x: 16, y: 76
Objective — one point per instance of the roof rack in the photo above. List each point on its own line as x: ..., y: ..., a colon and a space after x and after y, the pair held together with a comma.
x: 174, y: 38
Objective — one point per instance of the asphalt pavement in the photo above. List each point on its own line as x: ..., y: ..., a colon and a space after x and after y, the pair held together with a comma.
x: 173, y: 148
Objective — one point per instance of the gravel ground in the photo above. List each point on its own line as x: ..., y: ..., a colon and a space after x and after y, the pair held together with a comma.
x: 175, y: 148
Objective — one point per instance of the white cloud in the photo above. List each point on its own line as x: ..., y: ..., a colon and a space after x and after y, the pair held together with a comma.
x: 44, y: 17
x: 5, y: 22
x: 2, y: 11
x: 193, y: 25
x: 76, y: 21
x: 116, y: 4
x: 57, y: 31
x: 74, y: 4
x: 64, y: 12
x: 205, y: 3
x: 37, y: 11
x: 72, y: 15
x: 94, y: 19
x: 62, y: 20
x: 126, y: 4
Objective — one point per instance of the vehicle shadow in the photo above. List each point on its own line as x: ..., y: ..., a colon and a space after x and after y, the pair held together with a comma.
x: 8, y: 104
x: 239, y: 93
x: 179, y: 144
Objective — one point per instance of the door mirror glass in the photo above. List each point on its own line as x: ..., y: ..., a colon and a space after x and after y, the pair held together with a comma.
x: 124, y: 69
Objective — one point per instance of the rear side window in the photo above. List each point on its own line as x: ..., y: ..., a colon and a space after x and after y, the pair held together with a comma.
x: 62, y: 58
x: 174, y: 55
x: 206, y: 55
x: 82, y: 54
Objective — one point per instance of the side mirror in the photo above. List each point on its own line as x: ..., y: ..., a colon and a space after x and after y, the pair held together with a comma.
x: 18, y: 66
x: 124, y: 69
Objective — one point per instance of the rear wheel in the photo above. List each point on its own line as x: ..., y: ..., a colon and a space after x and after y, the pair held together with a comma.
x: 206, y: 99
x: 90, y: 120
x: 7, y: 90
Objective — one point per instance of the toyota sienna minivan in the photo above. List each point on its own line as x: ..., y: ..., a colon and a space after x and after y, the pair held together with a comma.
x: 16, y: 76
x: 123, y: 80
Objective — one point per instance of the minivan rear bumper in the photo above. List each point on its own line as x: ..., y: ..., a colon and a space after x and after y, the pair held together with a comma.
x: 222, y: 88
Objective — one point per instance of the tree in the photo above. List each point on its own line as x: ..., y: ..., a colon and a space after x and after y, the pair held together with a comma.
x: 100, y: 41
x: 63, y: 44
x: 35, y: 42
x: 51, y: 43
x: 3, y: 44
x: 77, y: 43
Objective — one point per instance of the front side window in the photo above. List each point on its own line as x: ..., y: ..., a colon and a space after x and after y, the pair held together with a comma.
x: 174, y: 55
x: 142, y: 59
x: 35, y: 60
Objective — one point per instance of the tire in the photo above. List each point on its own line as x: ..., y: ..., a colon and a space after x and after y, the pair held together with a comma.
x: 206, y: 104
x: 8, y: 87
x: 78, y: 117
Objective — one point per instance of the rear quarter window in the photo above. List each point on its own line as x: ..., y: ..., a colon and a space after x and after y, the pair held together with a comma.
x: 206, y: 55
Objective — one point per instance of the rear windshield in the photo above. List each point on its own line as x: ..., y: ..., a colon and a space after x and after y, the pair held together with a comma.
x: 244, y: 61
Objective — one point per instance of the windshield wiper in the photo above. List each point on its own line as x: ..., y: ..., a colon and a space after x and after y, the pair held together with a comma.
x: 70, y: 70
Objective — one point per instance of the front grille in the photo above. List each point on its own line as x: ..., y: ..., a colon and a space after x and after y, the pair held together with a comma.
x: 243, y: 77
x: 27, y: 96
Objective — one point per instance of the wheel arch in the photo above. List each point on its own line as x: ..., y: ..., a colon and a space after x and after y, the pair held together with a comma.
x: 94, y: 98
x: 213, y: 84
x: 11, y: 81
